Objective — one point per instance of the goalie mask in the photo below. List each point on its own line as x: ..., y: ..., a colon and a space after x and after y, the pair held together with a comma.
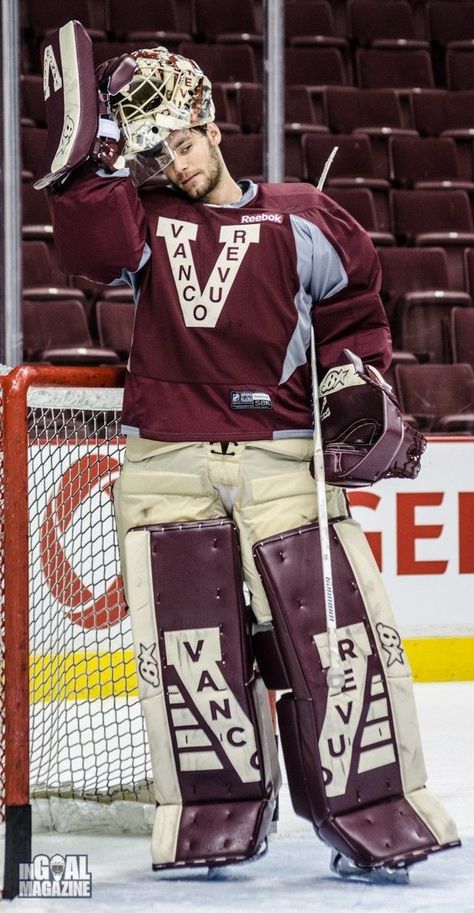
x: 167, y: 92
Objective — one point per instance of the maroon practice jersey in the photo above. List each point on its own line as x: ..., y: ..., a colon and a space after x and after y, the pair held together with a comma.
x: 225, y: 298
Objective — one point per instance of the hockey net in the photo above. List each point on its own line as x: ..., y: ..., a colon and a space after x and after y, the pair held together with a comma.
x: 75, y: 731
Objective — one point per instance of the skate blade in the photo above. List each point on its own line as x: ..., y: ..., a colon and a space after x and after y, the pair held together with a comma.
x: 217, y: 872
x: 347, y: 869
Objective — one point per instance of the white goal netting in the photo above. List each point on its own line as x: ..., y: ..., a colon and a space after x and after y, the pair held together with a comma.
x: 87, y: 736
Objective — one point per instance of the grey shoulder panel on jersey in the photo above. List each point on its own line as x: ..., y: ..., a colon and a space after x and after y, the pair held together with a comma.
x: 321, y: 275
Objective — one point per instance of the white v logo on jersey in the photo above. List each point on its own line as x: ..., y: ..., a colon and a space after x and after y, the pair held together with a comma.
x: 203, y: 308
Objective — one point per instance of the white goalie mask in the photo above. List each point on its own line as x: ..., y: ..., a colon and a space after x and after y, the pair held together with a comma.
x: 167, y: 92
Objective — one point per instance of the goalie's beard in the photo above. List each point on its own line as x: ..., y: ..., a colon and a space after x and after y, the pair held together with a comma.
x: 208, y: 182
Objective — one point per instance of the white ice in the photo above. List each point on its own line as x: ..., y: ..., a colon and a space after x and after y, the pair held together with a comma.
x: 294, y: 877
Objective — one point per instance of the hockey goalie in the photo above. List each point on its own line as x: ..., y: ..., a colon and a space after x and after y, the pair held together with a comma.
x: 226, y: 480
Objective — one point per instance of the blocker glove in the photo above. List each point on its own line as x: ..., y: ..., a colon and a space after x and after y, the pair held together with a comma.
x: 365, y: 436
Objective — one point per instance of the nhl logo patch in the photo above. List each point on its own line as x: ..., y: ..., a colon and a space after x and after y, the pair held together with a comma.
x: 250, y: 399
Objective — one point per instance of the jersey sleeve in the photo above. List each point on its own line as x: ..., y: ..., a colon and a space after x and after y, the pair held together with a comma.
x: 99, y: 226
x: 345, y: 286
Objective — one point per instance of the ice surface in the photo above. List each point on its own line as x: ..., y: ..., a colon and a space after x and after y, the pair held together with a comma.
x: 294, y: 877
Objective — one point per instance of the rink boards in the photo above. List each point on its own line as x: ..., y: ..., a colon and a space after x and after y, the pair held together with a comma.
x: 421, y: 533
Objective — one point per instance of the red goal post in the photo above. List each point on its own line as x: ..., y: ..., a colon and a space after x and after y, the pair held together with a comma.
x: 50, y: 449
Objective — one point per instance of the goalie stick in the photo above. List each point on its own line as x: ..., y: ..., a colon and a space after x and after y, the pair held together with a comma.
x: 335, y: 674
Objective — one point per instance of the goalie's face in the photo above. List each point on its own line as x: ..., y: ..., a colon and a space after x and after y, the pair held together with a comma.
x: 198, y: 168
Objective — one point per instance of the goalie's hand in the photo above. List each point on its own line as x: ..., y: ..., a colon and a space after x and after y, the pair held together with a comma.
x: 111, y: 77
x: 364, y: 435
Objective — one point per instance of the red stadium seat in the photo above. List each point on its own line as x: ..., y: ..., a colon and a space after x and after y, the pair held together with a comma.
x: 39, y: 266
x: 376, y: 112
x: 440, y: 397
x: 315, y: 67
x: 145, y: 21
x: 45, y: 15
x: 234, y: 63
x: 417, y: 274
x: 35, y: 208
x: 438, y: 112
x: 407, y: 69
x: 352, y: 166
x: 427, y: 163
x: 390, y: 24
x: 469, y: 270
x: 418, y: 300
x: 459, y: 69
x: 33, y: 110
x: 232, y: 21
x: 56, y: 330
x: 243, y: 154
x: 360, y: 203
x: 433, y: 218
x: 462, y: 335
x: 421, y: 324
x: 311, y: 23
x: 33, y: 143
x: 301, y: 111
x: 115, y: 321
x: 451, y: 22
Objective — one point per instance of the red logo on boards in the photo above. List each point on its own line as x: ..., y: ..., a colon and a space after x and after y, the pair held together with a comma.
x: 92, y: 474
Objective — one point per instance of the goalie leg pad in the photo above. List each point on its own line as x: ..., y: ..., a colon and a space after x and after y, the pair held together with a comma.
x: 353, y: 756
x: 211, y: 740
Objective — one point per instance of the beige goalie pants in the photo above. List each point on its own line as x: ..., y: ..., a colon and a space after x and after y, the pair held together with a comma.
x: 264, y: 486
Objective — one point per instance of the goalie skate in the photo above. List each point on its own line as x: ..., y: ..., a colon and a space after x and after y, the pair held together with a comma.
x: 384, y: 874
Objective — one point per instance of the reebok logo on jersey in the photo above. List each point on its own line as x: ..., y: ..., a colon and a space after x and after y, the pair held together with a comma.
x: 250, y: 399
x: 263, y: 217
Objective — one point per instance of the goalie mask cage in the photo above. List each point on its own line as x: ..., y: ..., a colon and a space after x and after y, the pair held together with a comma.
x: 73, y: 739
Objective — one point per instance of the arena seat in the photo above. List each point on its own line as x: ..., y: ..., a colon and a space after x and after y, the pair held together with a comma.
x: 311, y: 23
x: 227, y: 63
x: 426, y: 163
x: 376, y: 112
x: 229, y: 22
x: 33, y: 144
x: 417, y: 274
x: 301, y: 109
x: 360, y: 203
x: 353, y: 166
x: 440, y: 397
x: 434, y: 218
x: 39, y: 268
x: 315, y: 67
x: 390, y: 24
x: 115, y: 321
x: 440, y: 112
x: 462, y: 335
x: 56, y: 330
x: 33, y: 110
x: 144, y: 21
x: 399, y: 69
x: 44, y: 15
x: 450, y: 23
x: 459, y: 69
